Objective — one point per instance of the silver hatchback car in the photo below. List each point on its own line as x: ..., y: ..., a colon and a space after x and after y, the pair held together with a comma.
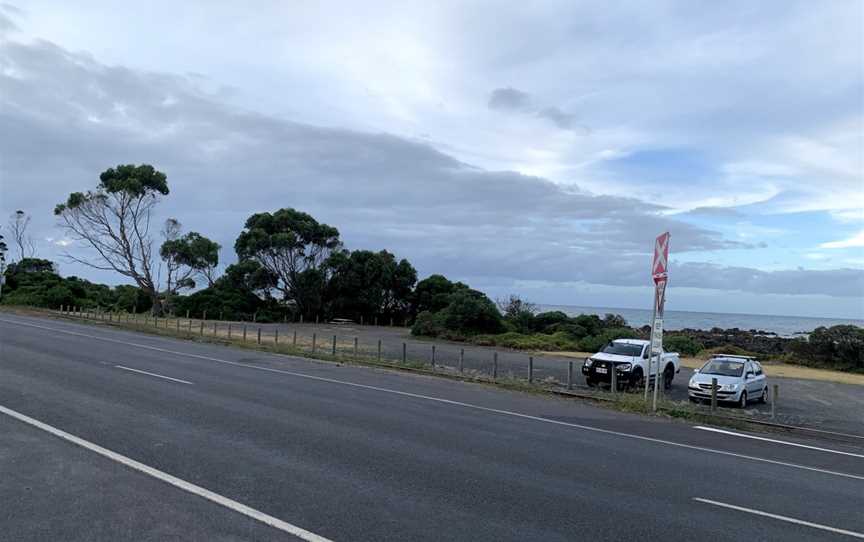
x: 740, y: 379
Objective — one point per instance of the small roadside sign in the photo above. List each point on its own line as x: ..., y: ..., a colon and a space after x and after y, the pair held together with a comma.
x: 657, y: 336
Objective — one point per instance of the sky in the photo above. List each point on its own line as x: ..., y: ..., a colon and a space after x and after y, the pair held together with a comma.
x: 527, y: 148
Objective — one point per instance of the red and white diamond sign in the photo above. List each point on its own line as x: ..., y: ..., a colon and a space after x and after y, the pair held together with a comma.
x: 661, y: 257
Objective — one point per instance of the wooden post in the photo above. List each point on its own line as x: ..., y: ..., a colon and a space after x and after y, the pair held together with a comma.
x: 433, y: 356
x: 379, y: 350
x: 361, y: 319
x: 204, y: 317
x: 244, y: 333
x: 404, y: 353
x: 494, y: 365
x: 202, y: 327
x: 259, y: 334
x: 334, y: 345
x: 355, y: 348
x: 614, y: 384
x: 214, y: 329
x: 530, y: 369
x: 294, y: 340
x: 178, y: 325
x: 461, y: 360
x: 570, y: 375
x: 774, y: 394
x: 313, y: 342
x: 229, y: 331
x: 276, y: 337
x: 713, y: 394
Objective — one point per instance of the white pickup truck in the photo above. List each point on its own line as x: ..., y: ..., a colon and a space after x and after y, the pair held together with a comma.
x: 629, y: 357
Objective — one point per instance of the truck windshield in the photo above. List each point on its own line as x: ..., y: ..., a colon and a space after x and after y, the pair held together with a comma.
x: 723, y: 367
x: 623, y: 349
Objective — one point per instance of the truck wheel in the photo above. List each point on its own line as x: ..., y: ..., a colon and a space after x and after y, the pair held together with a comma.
x: 668, y: 375
x: 591, y: 383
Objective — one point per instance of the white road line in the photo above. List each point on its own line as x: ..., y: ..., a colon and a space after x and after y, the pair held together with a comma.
x: 173, y: 480
x: 153, y: 374
x: 776, y: 441
x: 781, y: 518
x: 454, y: 403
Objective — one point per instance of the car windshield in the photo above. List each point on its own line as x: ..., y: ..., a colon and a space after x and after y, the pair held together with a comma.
x: 623, y: 349
x: 723, y: 367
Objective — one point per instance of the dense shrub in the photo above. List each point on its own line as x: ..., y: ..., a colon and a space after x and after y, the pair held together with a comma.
x: 838, y: 347
x: 544, y: 320
x: 594, y: 343
x: 686, y: 346
x: 519, y: 341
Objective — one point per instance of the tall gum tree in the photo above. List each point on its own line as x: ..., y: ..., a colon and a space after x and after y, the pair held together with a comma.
x: 292, y: 247
x: 114, y: 222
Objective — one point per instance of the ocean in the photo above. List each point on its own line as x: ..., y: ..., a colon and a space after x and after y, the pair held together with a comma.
x: 785, y: 326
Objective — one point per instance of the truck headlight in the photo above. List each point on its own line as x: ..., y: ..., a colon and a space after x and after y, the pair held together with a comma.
x: 624, y: 367
x: 588, y: 362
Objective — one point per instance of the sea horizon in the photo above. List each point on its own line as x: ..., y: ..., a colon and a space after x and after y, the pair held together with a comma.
x: 783, y: 325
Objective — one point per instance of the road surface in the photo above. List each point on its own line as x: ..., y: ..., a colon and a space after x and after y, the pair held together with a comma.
x: 113, y: 435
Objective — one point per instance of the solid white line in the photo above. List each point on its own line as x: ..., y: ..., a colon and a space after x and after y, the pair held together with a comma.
x: 153, y: 374
x: 776, y: 441
x: 781, y: 518
x: 454, y: 403
x: 173, y: 480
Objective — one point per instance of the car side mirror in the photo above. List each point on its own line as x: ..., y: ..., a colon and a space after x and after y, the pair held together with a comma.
x: 748, y: 376
x: 695, y: 371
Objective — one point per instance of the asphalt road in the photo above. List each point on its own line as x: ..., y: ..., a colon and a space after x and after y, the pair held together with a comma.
x: 352, y: 453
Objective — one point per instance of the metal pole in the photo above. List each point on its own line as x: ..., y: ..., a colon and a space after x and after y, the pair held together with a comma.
x: 214, y: 329
x: 202, y: 327
x: 276, y: 336
x: 461, y: 360
x: 294, y: 340
x: 713, y: 394
x: 334, y: 345
x: 404, y: 353
x: 379, y: 350
x: 355, y: 348
x: 569, y: 375
x: 244, y: 333
x: 314, y: 340
x: 229, y: 331
x: 650, y: 348
x: 259, y: 335
x: 433, y: 356
x: 614, y: 385
x: 530, y: 369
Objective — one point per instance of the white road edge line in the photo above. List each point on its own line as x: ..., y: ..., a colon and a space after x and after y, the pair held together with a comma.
x: 781, y: 518
x: 173, y: 480
x: 776, y: 441
x: 153, y: 374
x: 451, y: 402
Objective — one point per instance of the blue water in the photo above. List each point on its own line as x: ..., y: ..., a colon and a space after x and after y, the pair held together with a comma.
x: 785, y: 326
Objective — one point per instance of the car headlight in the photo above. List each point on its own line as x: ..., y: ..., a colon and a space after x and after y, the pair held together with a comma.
x: 624, y: 367
x: 588, y: 362
x: 729, y: 387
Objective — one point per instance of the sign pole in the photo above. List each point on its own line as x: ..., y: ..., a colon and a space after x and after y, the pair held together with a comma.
x: 659, y: 301
x: 651, y: 347
x: 659, y: 267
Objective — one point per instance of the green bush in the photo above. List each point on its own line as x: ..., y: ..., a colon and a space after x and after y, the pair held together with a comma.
x: 837, y: 347
x: 595, y: 343
x: 519, y: 341
x: 684, y: 345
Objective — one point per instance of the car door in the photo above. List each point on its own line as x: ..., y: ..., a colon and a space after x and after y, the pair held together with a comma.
x: 754, y: 387
x: 760, y: 378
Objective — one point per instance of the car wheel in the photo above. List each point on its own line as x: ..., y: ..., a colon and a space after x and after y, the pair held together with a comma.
x: 693, y: 400
x: 764, y: 397
x: 742, y: 403
x: 668, y: 375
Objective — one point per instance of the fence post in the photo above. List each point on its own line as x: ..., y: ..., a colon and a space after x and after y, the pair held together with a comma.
x: 334, y: 345
x: 189, y: 324
x: 614, y: 384
x: 404, y: 352
x: 376, y: 320
x: 294, y: 340
x: 187, y: 314
x: 301, y: 317
x: 214, y: 329
x: 229, y: 331
x: 461, y: 360
x: 244, y: 333
x: 221, y: 313
x: 204, y: 316
x: 259, y: 335
x: 494, y: 365
x: 379, y: 350
x: 391, y: 321
x: 314, y: 338
x: 355, y: 348
x: 316, y: 318
x: 530, y: 369
x: 178, y: 325
x: 361, y: 319
x: 433, y: 356
x: 774, y: 394
x: 713, y: 394
x: 202, y: 328
x: 276, y: 337
x: 570, y: 375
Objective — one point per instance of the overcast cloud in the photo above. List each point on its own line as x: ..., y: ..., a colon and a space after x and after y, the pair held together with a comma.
x: 457, y: 205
